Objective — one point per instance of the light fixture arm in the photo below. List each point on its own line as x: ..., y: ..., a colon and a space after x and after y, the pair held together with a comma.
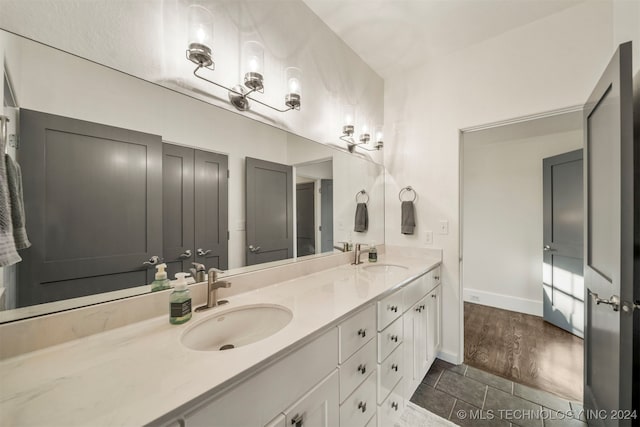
x: 244, y: 95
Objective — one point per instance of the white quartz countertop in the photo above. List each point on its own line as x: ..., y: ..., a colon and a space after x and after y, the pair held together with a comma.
x: 135, y: 374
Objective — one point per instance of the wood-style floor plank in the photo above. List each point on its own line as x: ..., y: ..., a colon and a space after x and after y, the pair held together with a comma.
x: 524, y: 349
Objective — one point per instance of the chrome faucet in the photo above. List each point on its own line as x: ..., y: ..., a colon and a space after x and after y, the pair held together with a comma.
x: 358, y: 251
x: 213, y: 284
x: 344, y: 246
x: 198, y: 272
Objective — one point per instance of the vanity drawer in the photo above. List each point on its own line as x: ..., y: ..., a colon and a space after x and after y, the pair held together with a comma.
x: 356, y: 332
x: 390, y: 372
x: 359, y: 407
x: 391, y: 409
x: 357, y: 368
x: 389, y: 309
x: 415, y: 290
x: 389, y: 339
x: 373, y: 422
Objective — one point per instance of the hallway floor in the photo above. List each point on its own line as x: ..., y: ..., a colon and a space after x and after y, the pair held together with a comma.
x: 471, y: 397
x: 524, y: 349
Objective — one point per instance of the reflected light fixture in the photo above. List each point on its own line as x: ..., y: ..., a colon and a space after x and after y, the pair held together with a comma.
x: 199, y: 52
x: 348, y: 129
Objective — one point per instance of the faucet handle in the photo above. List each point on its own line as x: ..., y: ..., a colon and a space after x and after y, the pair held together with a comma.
x: 216, y: 270
x: 198, y: 266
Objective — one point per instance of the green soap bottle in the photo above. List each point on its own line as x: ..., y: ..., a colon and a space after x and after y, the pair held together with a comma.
x: 161, y: 281
x: 373, y: 253
x: 180, y: 301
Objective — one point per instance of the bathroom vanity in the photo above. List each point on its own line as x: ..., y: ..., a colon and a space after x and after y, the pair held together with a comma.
x: 351, y: 346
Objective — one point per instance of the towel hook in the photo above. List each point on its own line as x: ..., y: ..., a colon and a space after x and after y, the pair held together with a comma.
x: 408, y: 188
x: 362, y: 193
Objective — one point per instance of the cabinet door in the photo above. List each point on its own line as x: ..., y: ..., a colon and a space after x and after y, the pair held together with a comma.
x: 177, y: 208
x: 318, y: 408
x: 415, y: 345
x: 434, y: 324
x: 211, y: 209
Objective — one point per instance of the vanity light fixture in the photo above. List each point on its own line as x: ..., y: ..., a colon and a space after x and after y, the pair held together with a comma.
x: 199, y: 52
x: 348, y: 130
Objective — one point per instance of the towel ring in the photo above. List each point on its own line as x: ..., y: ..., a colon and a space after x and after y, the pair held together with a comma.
x: 362, y: 193
x: 408, y: 189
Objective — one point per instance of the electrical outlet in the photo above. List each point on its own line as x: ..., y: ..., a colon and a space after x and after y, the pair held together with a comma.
x: 428, y: 237
x: 444, y: 227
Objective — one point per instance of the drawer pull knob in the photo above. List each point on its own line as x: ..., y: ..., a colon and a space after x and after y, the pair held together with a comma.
x: 422, y: 307
x: 419, y: 309
x: 362, y: 332
x: 362, y: 406
x: 298, y: 420
x: 433, y: 296
x: 437, y: 278
x: 394, y: 367
x: 394, y: 405
x: 362, y: 368
x: 393, y: 308
x: 394, y: 338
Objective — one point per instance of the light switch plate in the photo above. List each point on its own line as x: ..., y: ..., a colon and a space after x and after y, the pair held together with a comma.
x: 444, y: 227
x: 428, y: 237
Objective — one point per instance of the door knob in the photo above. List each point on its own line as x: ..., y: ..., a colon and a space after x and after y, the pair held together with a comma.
x: 254, y: 248
x: 202, y: 252
x: 186, y: 254
x: 614, y: 301
x: 152, y: 261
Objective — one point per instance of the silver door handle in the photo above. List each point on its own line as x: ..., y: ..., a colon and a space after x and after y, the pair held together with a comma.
x: 152, y: 261
x: 186, y: 254
x: 202, y: 252
x: 614, y: 301
x: 254, y: 248
x: 547, y: 248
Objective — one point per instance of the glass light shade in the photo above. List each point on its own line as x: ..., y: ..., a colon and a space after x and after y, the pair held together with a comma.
x: 378, y: 134
x: 200, y: 26
x: 293, y: 82
x: 253, y: 65
x: 348, y: 115
x: 365, y: 131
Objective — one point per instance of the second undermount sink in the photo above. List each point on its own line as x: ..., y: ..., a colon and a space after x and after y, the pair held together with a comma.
x: 384, y: 268
x: 236, y: 327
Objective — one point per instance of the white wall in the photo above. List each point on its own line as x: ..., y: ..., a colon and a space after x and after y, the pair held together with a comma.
x: 549, y: 64
x: 503, y: 217
x: 148, y: 39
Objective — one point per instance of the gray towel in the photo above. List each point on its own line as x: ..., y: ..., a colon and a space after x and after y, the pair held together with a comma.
x: 408, y: 218
x: 362, y: 218
x: 8, y: 252
x: 14, y: 180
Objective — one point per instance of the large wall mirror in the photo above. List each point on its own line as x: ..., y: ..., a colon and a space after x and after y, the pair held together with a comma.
x: 118, y: 171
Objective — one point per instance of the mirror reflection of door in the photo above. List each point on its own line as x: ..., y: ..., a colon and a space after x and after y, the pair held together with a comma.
x: 314, y: 207
x: 269, y: 211
x: 563, y: 286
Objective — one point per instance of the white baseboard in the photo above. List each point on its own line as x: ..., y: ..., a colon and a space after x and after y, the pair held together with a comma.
x: 450, y: 357
x: 506, y: 302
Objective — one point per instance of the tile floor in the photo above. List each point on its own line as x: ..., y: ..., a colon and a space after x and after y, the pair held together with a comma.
x: 470, y: 397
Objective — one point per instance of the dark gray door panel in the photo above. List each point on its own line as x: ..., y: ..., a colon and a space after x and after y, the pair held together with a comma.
x: 93, y: 201
x: 326, y: 214
x: 269, y: 211
x: 178, y: 208
x: 211, y: 209
x: 305, y: 216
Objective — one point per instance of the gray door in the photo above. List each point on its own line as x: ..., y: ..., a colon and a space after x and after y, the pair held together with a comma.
x: 93, y: 203
x: 305, y: 219
x: 326, y: 214
x: 211, y: 209
x: 609, y: 240
x: 563, y: 287
x: 178, y: 208
x: 269, y: 211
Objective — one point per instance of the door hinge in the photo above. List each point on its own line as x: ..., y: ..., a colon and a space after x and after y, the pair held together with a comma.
x: 320, y: 228
x: 228, y: 173
x: 320, y: 190
x: 228, y: 235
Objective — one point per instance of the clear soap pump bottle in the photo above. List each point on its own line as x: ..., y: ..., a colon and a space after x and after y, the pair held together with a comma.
x: 161, y: 281
x: 180, y: 301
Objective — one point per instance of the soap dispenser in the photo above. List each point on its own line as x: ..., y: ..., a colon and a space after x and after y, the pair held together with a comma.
x: 180, y: 301
x: 161, y: 281
x: 373, y: 253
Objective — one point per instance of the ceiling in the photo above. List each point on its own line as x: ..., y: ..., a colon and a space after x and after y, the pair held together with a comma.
x: 392, y: 35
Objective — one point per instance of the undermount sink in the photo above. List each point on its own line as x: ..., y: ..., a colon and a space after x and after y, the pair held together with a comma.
x: 384, y: 268
x: 236, y: 327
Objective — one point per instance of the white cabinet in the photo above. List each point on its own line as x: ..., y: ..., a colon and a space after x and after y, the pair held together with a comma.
x: 416, y: 357
x: 317, y: 408
x: 434, y: 323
